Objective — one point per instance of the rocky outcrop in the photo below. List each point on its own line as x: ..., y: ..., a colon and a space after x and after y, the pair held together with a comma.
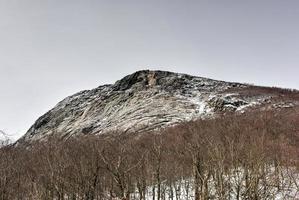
x: 143, y: 101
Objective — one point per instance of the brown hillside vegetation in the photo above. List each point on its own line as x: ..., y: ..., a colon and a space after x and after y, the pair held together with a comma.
x: 249, y: 156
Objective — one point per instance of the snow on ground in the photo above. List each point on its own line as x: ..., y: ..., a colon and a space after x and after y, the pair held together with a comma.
x: 183, y: 189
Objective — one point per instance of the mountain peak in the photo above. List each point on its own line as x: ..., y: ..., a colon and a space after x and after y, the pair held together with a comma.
x: 143, y: 78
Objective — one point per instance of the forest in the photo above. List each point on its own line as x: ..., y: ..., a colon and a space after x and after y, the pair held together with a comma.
x: 252, y: 156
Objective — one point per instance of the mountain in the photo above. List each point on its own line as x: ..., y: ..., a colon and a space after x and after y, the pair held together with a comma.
x: 3, y: 137
x: 147, y: 100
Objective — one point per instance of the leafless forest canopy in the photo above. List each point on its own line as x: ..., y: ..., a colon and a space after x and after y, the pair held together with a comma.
x: 249, y: 156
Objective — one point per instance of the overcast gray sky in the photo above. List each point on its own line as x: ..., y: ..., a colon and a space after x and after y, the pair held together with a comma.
x: 50, y: 49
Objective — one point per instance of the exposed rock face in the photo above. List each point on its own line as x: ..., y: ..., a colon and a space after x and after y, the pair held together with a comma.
x: 142, y: 101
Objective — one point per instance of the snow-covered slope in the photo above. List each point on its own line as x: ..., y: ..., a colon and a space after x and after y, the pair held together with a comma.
x: 143, y: 101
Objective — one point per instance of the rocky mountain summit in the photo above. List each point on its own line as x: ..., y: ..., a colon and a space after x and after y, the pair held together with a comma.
x: 147, y: 100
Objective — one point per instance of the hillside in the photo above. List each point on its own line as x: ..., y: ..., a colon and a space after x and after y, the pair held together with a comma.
x: 147, y: 100
x: 157, y: 135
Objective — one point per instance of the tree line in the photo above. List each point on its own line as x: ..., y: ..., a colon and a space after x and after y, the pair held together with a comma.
x: 250, y: 156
